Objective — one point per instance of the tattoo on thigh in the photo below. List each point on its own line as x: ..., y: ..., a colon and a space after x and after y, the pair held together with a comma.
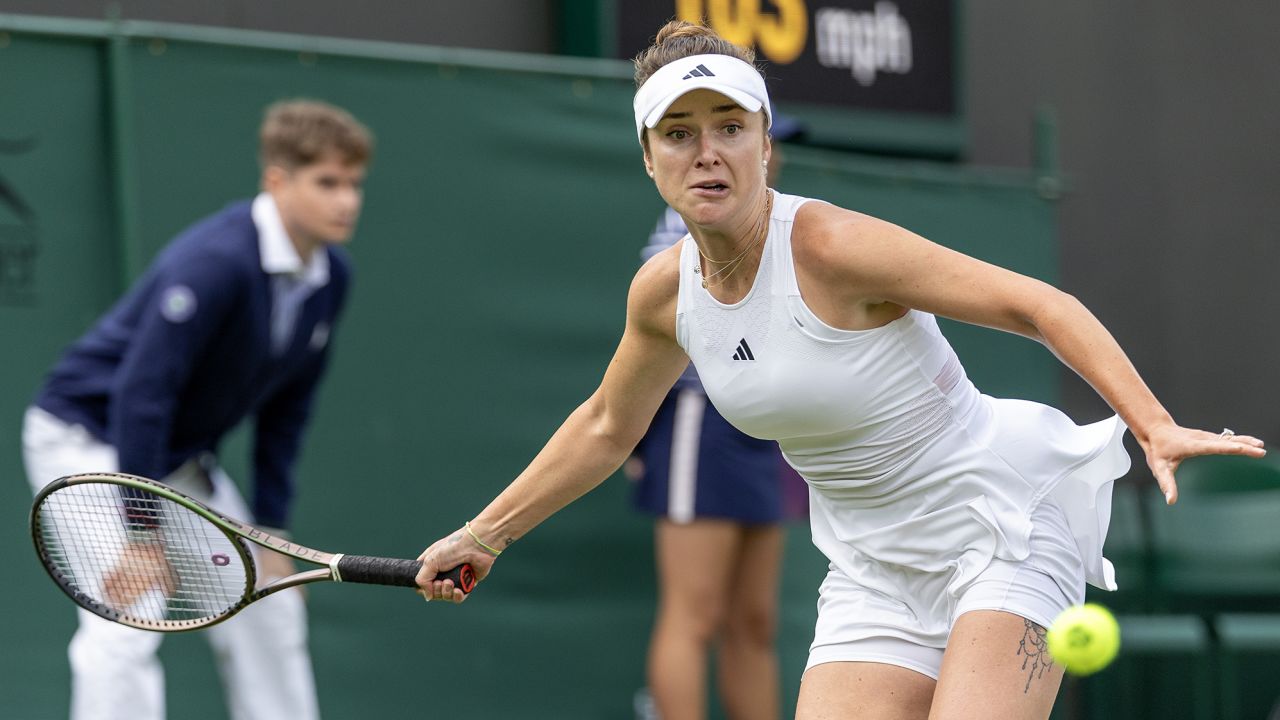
x: 1034, y: 652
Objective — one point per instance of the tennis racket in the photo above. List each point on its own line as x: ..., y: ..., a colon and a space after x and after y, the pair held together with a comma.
x: 140, y: 553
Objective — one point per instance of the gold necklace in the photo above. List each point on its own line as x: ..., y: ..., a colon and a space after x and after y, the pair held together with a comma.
x: 729, y: 269
x: 731, y: 266
x: 754, y: 230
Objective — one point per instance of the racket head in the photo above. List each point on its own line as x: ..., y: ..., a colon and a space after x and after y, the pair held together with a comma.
x: 137, y: 552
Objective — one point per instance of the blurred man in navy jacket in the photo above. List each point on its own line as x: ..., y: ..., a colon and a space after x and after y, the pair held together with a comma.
x: 233, y: 319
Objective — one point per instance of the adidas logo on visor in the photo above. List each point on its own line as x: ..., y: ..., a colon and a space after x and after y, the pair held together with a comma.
x: 700, y: 71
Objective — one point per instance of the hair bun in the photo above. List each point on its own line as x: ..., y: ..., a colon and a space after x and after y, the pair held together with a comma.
x: 677, y: 29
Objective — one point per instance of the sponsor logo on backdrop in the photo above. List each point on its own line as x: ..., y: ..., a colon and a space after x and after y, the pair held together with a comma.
x: 19, y: 237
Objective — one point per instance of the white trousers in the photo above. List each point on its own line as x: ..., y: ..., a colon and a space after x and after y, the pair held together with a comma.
x: 261, y: 653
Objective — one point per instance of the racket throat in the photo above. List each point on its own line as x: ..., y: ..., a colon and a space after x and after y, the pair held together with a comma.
x: 335, y: 574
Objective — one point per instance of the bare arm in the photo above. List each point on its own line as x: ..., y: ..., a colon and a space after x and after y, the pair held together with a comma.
x: 595, y: 439
x: 878, y: 268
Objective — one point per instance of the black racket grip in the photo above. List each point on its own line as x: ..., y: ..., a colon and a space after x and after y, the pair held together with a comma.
x: 400, y: 573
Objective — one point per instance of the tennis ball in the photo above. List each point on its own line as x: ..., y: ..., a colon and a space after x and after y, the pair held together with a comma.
x: 1084, y: 638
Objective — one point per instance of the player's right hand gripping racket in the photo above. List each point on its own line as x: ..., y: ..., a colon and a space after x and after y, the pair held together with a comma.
x: 140, y: 553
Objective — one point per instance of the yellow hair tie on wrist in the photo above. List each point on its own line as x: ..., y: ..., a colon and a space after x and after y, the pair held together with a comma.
x: 492, y: 551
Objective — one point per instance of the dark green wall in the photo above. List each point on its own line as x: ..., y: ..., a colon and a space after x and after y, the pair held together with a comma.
x: 51, y: 111
x: 504, y: 215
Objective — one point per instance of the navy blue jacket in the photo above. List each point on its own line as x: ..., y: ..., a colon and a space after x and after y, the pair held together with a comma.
x: 186, y: 355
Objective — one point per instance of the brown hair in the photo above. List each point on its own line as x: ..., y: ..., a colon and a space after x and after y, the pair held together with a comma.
x: 679, y: 39
x: 296, y: 133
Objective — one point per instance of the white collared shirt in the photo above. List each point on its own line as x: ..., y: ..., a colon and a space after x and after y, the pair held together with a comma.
x: 292, y: 279
x: 277, y: 250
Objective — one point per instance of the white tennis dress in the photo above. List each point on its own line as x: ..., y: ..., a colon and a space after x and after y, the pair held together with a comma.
x: 916, y: 480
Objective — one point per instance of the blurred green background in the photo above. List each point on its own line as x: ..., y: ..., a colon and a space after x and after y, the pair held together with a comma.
x: 503, y: 219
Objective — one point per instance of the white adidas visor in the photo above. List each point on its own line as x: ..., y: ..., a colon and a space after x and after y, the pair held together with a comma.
x: 729, y: 76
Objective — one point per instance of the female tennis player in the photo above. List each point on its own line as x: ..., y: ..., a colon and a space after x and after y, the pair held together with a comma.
x: 957, y: 525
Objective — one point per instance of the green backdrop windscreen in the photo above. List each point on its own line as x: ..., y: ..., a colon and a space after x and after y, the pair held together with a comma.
x: 57, y: 271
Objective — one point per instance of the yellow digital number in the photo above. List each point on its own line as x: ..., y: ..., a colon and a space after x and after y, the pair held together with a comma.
x: 780, y: 35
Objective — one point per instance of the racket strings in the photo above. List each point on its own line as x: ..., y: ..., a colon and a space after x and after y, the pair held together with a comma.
x: 140, y: 555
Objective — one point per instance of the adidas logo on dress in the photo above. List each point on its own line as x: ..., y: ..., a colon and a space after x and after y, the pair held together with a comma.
x: 744, y: 351
x: 700, y: 71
